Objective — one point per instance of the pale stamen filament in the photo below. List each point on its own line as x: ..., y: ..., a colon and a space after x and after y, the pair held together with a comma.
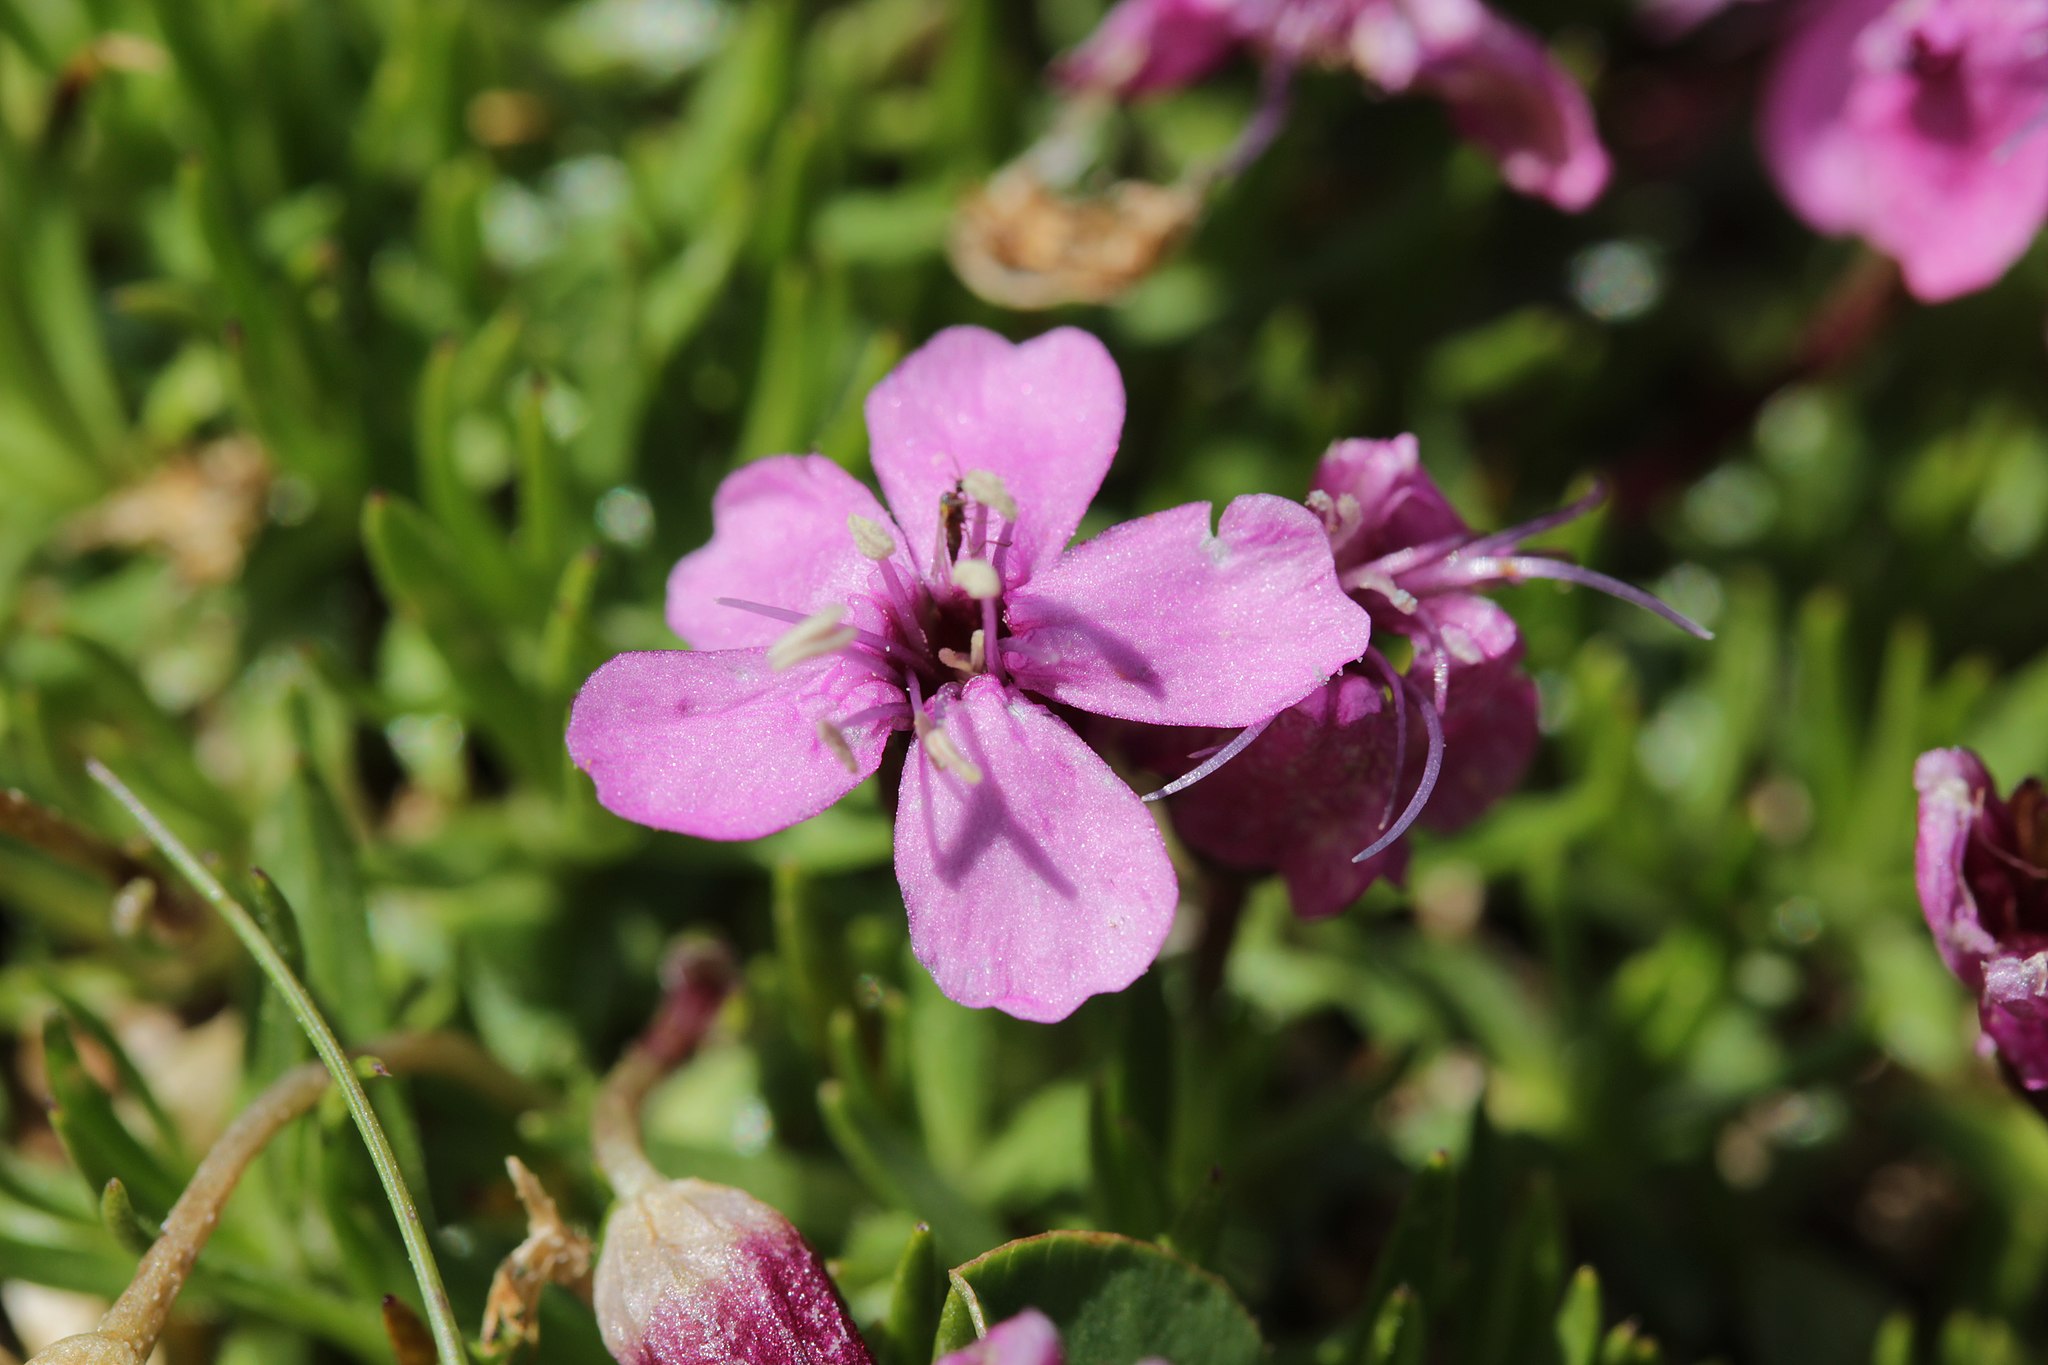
x: 881, y: 644
x: 988, y: 650
x: 871, y: 538
x: 986, y: 489
x: 834, y: 739
x: 947, y: 758
x: 813, y: 637
x: 977, y: 578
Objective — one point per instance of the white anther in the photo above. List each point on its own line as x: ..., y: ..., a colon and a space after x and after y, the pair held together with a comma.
x: 977, y: 578
x: 833, y: 738
x: 977, y: 651
x: 1340, y: 515
x: 814, y: 636
x: 986, y: 489
x: 947, y: 758
x: 870, y: 538
x: 958, y: 662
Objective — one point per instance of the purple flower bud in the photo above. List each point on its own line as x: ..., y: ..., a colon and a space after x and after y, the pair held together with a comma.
x: 701, y: 1274
x: 1981, y: 866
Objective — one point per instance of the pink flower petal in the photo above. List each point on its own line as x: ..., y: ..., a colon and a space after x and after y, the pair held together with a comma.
x: 1044, y: 417
x: 1399, y: 505
x: 1158, y: 620
x: 1145, y: 46
x: 1308, y: 794
x: 1953, y: 788
x: 778, y: 537
x: 1027, y: 1339
x: 1041, y: 885
x: 716, y: 745
x: 1935, y: 156
x: 1489, y: 712
x: 1504, y: 91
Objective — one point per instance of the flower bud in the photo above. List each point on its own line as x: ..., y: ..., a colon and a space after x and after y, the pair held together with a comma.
x: 700, y: 1274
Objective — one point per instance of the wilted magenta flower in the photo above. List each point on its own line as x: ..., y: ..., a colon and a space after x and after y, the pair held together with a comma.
x: 1033, y: 876
x: 1456, y: 730
x: 1501, y: 86
x: 1981, y: 866
x: 1917, y: 125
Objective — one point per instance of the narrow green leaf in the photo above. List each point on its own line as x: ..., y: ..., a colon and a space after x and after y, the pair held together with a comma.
x: 1417, y: 1252
x: 447, y: 1335
x: 1578, y: 1320
x: 889, y: 1163
x: 1400, y: 1331
x: 99, y: 1144
x: 915, y: 1295
x: 128, y: 1227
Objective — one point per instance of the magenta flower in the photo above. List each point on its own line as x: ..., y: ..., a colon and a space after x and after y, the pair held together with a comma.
x: 825, y: 626
x: 1501, y: 86
x: 1917, y: 125
x: 1981, y: 866
x: 1456, y: 730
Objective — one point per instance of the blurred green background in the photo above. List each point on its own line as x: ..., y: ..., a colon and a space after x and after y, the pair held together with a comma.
x: 365, y: 364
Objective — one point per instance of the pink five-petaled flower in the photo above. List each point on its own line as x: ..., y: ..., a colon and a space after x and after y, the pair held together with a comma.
x: 1456, y: 730
x: 1034, y: 877
x: 1981, y: 866
x: 1919, y: 126
x: 1503, y: 89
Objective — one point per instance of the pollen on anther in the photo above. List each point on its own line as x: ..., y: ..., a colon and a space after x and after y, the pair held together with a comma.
x: 817, y: 634
x: 986, y: 489
x: 947, y: 758
x: 870, y: 538
x: 834, y: 739
x: 977, y: 578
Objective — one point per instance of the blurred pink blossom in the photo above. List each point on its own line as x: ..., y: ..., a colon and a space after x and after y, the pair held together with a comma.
x: 1920, y: 126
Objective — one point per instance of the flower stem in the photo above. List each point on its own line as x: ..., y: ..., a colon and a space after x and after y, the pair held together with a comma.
x: 699, y: 978
x: 433, y: 1293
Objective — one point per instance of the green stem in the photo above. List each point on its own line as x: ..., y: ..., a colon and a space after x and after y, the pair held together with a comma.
x: 440, y: 1314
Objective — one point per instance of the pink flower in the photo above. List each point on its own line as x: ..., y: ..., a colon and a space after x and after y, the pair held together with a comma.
x: 1027, y: 1339
x: 825, y: 626
x: 1503, y: 89
x: 1917, y: 125
x: 1456, y: 730
x: 1981, y: 866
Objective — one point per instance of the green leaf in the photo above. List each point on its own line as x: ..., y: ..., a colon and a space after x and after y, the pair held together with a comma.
x: 890, y: 1164
x: 1578, y: 1320
x: 99, y: 1144
x: 1417, y: 1252
x: 1114, y: 1299
x: 310, y: 861
x: 1399, y: 1332
x: 128, y: 1228
x: 1894, y: 1344
x: 915, y: 1296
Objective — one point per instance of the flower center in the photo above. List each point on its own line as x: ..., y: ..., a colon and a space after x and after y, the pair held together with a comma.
x: 943, y: 627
